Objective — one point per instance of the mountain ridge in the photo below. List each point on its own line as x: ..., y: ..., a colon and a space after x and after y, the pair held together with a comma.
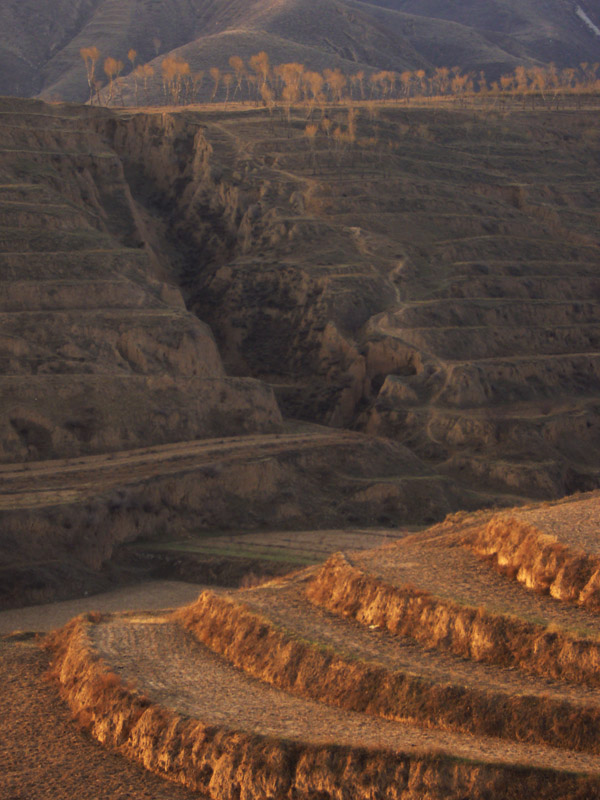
x: 44, y: 59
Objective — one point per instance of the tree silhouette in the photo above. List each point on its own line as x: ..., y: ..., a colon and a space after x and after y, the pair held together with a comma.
x: 261, y: 66
x: 197, y: 81
x: 227, y: 81
x: 310, y: 131
x: 313, y: 81
x: 336, y: 80
x: 148, y: 72
x: 215, y: 74
x: 138, y: 74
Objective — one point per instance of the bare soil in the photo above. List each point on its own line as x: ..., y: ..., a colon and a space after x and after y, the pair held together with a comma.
x: 42, y: 752
x: 145, y: 596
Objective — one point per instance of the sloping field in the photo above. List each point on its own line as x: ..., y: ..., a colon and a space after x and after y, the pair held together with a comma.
x: 430, y: 278
x: 349, y: 679
x: 445, y: 267
x: 102, y: 365
x: 64, y: 519
x: 95, y: 341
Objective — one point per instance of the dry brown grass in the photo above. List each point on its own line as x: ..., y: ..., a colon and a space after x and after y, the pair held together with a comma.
x: 227, y: 764
x: 44, y: 755
x: 463, y: 630
x: 253, y: 643
x: 539, y: 560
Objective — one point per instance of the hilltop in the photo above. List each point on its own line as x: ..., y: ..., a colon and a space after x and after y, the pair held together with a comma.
x: 40, y: 43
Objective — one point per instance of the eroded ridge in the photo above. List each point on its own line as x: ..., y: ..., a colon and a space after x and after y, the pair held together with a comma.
x: 205, y: 724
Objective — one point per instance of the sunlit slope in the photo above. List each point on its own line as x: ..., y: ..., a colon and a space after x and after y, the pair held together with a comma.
x: 381, y: 670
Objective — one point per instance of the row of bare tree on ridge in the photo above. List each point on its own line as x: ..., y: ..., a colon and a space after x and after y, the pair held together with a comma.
x: 291, y: 84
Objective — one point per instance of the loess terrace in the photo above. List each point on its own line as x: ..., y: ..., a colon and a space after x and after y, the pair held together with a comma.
x: 227, y: 337
x: 374, y: 674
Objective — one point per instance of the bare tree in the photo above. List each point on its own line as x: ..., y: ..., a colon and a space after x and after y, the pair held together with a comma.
x: 215, y: 74
x: 112, y: 69
x: 237, y: 65
x: 227, y: 81
x: 261, y: 65
x: 311, y: 133
x: 90, y: 57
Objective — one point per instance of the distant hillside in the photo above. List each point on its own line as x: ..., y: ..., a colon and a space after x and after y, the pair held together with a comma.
x: 559, y: 31
x: 40, y: 40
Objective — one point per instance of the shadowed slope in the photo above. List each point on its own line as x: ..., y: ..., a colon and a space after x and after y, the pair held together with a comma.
x: 40, y: 44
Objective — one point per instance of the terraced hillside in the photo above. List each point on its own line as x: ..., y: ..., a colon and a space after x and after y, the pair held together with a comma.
x: 110, y: 386
x: 381, y: 672
x: 434, y: 282
x: 425, y: 274
x: 64, y: 521
x: 98, y: 352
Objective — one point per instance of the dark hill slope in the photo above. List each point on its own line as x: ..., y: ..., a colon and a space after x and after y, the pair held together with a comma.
x: 40, y: 41
x: 555, y: 31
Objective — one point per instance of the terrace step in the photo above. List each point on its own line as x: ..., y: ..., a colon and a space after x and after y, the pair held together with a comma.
x: 200, y: 687
x: 532, y: 286
x: 515, y: 248
x: 495, y: 312
x: 273, y: 633
x: 479, y: 342
x: 70, y: 295
x: 526, y: 378
x: 36, y: 240
x: 100, y: 262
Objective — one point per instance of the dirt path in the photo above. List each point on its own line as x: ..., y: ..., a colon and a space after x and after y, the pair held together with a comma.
x: 171, y: 668
x: 43, y: 756
x: 150, y: 595
x: 285, y: 604
x: 33, y: 483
